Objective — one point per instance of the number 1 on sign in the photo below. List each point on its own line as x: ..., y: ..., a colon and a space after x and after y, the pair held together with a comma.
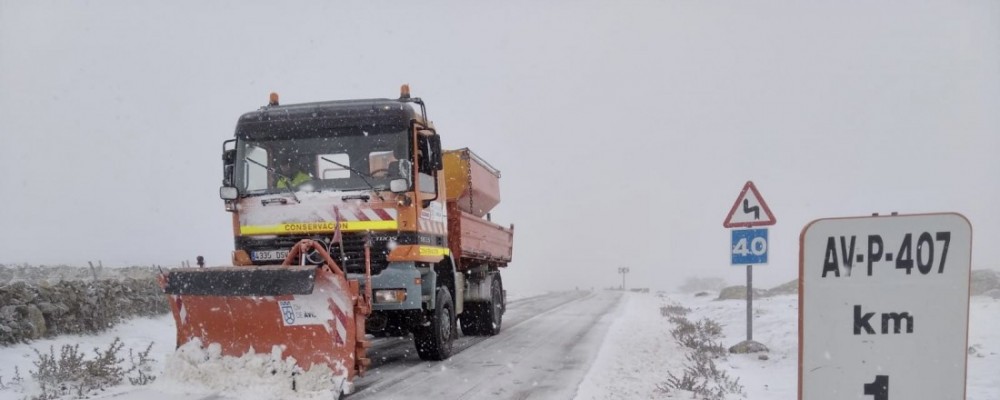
x: 879, y: 389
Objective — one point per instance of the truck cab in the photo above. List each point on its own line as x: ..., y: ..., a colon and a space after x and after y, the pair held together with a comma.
x: 356, y: 172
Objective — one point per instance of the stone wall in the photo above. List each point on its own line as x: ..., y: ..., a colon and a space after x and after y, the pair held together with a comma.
x: 32, y: 306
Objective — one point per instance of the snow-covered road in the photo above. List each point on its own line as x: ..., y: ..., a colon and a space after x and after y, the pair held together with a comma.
x: 543, y: 351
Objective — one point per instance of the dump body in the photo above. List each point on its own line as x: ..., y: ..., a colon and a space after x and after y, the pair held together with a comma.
x: 474, y: 239
x: 473, y: 190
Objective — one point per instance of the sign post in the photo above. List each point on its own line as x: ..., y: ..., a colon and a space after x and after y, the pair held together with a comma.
x: 884, y: 307
x: 623, y: 271
x: 748, y: 247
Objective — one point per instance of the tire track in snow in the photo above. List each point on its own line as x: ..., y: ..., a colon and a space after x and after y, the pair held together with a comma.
x: 548, y: 356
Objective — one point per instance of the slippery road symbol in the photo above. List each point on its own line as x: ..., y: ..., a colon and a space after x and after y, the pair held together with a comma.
x: 747, y: 209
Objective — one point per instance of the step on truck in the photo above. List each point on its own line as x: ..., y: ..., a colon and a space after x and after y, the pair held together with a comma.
x: 349, y: 221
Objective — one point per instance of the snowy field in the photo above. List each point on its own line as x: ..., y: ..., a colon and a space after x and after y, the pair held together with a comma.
x: 632, y: 363
x: 638, y: 350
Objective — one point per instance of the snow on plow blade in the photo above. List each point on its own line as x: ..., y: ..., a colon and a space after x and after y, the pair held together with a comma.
x: 313, y: 314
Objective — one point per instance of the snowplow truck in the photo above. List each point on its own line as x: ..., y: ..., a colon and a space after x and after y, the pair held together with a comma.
x: 349, y: 220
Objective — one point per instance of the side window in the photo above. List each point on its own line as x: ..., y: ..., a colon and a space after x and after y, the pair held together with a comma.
x: 425, y: 167
x: 330, y: 170
x: 427, y: 184
x: 422, y: 154
x: 256, y: 175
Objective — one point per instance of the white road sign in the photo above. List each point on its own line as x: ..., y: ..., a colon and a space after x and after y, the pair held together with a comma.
x: 884, y: 307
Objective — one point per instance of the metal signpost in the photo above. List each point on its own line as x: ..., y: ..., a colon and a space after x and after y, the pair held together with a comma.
x: 623, y: 271
x: 884, y: 307
x: 749, y: 246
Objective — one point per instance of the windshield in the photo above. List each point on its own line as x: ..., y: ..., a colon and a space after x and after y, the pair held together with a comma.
x: 318, y: 162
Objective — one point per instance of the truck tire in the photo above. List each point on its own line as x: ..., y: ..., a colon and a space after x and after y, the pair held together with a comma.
x: 484, y: 319
x: 434, y: 342
x: 471, y: 319
x: 494, y: 309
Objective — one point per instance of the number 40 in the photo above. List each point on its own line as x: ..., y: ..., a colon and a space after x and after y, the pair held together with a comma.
x: 757, y: 247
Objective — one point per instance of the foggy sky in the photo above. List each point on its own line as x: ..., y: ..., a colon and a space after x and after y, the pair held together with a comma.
x: 624, y: 130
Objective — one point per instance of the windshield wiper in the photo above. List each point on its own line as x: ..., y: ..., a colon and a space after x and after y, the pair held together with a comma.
x: 287, y: 179
x: 360, y: 174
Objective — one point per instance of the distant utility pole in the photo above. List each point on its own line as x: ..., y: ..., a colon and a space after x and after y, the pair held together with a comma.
x: 623, y: 271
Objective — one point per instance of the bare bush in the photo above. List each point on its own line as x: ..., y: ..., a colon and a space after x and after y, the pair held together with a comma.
x: 71, y: 374
x: 699, y: 336
x: 674, y: 309
x: 16, y: 382
x: 141, y: 367
x: 701, y: 376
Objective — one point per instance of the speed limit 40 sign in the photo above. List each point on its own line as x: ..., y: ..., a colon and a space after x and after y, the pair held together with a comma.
x: 748, y: 246
x: 884, y: 307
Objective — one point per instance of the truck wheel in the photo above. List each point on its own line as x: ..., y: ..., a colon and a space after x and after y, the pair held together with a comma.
x: 495, y: 309
x: 471, y: 320
x: 485, y: 318
x: 434, y: 342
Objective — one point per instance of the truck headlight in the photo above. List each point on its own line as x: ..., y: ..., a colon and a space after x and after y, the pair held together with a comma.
x: 390, y: 296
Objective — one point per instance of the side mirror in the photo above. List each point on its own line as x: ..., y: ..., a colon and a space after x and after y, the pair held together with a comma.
x: 228, y: 161
x: 227, y: 174
x: 228, y: 193
x: 399, y: 185
x: 435, y: 151
x: 430, y: 147
x: 405, y: 170
x: 229, y: 157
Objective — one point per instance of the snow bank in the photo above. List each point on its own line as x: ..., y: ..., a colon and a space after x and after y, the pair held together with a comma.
x: 636, y: 354
x: 638, y: 351
x: 775, y: 325
x: 196, y: 369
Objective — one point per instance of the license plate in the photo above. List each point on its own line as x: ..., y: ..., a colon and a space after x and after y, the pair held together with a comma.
x: 269, y: 255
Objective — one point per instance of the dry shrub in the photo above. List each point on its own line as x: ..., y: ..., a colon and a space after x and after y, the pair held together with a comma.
x: 701, y: 376
x: 71, y: 374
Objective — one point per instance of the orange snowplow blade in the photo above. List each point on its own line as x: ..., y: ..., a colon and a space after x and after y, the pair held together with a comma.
x: 314, y: 314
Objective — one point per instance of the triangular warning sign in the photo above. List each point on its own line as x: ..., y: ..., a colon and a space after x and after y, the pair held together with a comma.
x: 749, y: 210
